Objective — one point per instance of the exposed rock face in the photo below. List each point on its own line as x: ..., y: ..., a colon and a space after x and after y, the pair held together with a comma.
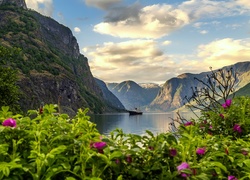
x: 42, y: 89
x: 52, y: 70
x: 58, y: 35
x: 109, y: 96
x: 19, y: 3
x: 171, y: 96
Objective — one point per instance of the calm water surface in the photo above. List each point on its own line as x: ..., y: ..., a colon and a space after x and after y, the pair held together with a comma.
x: 136, y: 124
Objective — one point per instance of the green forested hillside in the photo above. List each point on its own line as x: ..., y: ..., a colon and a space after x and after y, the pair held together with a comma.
x: 51, y: 68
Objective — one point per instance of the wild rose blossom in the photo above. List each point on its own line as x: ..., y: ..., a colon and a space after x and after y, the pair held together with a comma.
x: 151, y: 148
x: 227, y: 103
x: 232, y: 178
x: 129, y: 159
x: 189, y: 123
x: 99, y: 145
x: 226, y: 151
x: 201, y: 151
x: 173, y: 152
x: 222, y: 116
x: 237, y: 128
x: 181, y: 167
x: 9, y: 122
x: 244, y: 152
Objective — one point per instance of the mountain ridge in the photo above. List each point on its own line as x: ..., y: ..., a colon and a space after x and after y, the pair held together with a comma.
x: 51, y: 68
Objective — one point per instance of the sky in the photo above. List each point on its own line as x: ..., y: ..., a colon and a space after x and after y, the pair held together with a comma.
x: 152, y: 41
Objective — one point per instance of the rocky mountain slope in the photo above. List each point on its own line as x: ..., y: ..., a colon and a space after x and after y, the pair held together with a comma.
x: 51, y: 68
x: 132, y: 95
x: 109, y: 96
x: 171, y: 95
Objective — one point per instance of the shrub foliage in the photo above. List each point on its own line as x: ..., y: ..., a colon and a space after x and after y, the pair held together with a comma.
x: 48, y: 145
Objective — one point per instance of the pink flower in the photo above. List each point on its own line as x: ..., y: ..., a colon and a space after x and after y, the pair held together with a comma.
x: 189, y: 123
x: 9, y: 122
x: 173, y: 152
x: 232, y: 178
x: 117, y: 161
x: 237, y: 128
x: 151, y: 148
x: 227, y: 103
x: 183, y: 166
x: 226, y: 151
x: 99, y: 145
x: 129, y: 159
x: 222, y: 116
x: 201, y: 151
x: 244, y: 152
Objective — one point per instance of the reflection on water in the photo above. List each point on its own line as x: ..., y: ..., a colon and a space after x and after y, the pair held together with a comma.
x: 137, y: 124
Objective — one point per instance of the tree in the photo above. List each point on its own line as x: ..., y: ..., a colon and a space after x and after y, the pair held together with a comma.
x: 9, y: 91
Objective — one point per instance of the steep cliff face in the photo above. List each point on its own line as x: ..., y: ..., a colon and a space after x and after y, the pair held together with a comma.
x: 112, y: 100
x: 172, y: 94
x: 18, y: 3
x: 51, y: 68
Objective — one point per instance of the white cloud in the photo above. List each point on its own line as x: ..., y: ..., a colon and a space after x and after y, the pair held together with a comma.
x: 139, y: 59
x: 202, y: 9
x: 203, y: 32
x: 77, y: 29
x: 166, y: 43
x: 158, y: 20
x: 143, y: 60
x: 224, y: 52
x: 152, y: 22
x: 244, y: 3
x: 44, y: 7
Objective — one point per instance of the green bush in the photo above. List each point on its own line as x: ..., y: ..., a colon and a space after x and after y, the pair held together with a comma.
x: 48, y: 145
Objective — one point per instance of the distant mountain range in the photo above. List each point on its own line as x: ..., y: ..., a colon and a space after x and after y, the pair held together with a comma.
x: 133, y: 95
x: 169, y: 97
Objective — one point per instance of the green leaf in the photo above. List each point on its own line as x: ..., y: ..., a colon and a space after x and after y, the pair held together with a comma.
x: 150, y: 133
x: 55, y: 151
x: 119, y: 177
x: 116, y: 154
x: 218, y: 164
x: 247, y: 162
x: 70, y: 178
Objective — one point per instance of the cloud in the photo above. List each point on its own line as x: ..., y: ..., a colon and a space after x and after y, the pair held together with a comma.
x: 158, y: 20
x: 143, y: 60
x: 121, y: 13
x: 151, y: 22
x: 224, y: 52
x: 102, y: 4
x: 244, y: 3
x: 139, y: 59
x: 166, y: 43
x: 203, y: 32
x: 77, y: 29
x: 44, y: 7
x: 203, y: 9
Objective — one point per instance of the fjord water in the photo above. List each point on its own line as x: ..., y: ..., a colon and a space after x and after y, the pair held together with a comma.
x: 135, y: 124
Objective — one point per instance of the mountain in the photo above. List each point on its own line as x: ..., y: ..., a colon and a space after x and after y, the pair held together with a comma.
x: 132, y: 95
x: 51, y: 68
x: 171, y: 95
x: 112, y: 100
